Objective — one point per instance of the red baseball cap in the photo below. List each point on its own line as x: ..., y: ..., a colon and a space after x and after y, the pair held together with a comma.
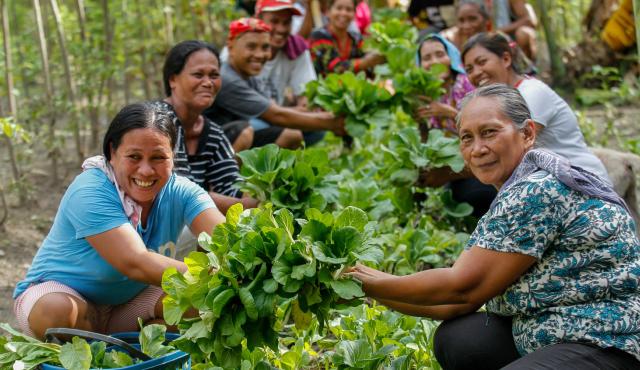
x: 275, y: 5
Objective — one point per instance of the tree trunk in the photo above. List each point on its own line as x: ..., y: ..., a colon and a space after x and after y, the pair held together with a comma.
x: 82, y: 19
x: 557, y: 67
x: 75, y: 121
x: 44, y: 56
x: 146, y: 80
x: 636, y: 15
x: 26, y: 91
x: 168, y: 22
x: 127, y: 59
x: 108, y: 80
x: 13, y: 107
x: 5, y: 208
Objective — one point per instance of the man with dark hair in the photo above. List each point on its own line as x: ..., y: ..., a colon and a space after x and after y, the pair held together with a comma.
x: 244, y: 96
x: 290, y: 65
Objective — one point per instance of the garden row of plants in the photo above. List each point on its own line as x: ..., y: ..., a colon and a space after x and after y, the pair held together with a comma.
x: 268, y: 284
x: 279, y: 298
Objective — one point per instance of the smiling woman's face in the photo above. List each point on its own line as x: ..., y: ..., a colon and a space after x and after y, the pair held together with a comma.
x: 434, y: 52
x: 484, y: 67
x: 142, y: 164
x: 341, y: 13
x: 198, y: 82
x: 491, y: 145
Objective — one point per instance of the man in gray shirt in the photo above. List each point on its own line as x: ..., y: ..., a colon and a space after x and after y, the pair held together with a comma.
x: 243, y: 96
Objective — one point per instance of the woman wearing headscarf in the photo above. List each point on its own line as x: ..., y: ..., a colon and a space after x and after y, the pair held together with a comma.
x: 435, y: 49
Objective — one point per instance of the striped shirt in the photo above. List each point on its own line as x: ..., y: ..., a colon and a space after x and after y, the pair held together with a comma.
x: 213, y: 166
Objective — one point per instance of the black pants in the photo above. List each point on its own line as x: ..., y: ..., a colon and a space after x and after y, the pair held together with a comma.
x: 482, y: 341
x: 475, y: 193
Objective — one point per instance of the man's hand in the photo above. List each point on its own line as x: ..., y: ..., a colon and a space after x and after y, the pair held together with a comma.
x: 333, y: 123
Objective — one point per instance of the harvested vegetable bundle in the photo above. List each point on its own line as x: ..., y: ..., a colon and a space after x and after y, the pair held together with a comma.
x: 364, y: 103
x: 397, y: 41
x: 257, y: 259
x: 296, y: 180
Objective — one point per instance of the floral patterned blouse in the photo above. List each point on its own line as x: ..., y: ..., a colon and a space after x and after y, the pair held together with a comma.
x: 329, y: 56
x: 460, y: 88
x: 585, y: 284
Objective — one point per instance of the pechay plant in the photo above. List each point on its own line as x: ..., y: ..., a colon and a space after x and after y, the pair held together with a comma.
x: 295, y: 180
x: 257, y: 260
x: 364, y: 103
x: 21, y: 351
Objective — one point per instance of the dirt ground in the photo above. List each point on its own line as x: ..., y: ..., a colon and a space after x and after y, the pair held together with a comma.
x: 27, y: 226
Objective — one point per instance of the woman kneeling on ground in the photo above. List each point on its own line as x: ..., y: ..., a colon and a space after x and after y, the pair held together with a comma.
x: 555, y: 260
x: 98, y: 268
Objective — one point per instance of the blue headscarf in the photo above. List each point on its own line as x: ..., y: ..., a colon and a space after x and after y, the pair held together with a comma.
x: 452, y: 51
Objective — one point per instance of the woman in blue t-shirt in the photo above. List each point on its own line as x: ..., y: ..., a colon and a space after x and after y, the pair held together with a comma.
x: 101, y: 264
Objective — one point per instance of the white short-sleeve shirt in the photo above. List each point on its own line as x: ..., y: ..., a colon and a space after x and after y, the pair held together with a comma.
x: 561, y: 133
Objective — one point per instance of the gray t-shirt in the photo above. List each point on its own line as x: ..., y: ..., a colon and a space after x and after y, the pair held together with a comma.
x: 238, y: 98
x: 281, y: 73
x: 561, y: 133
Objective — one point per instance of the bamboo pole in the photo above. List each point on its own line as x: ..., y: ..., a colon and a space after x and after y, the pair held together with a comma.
x: 44, y: 56
x: 127, y: 59
x: 13, y: 107
x: 146, y: 79
x: 68, y: 78
x: 557, y: 67
x: 636, y: 11
x: 82, y: 19
x: 106, y: 89
x: 168, y: 20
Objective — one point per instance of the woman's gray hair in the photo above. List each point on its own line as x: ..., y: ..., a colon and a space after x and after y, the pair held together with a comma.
x: 512, y: 104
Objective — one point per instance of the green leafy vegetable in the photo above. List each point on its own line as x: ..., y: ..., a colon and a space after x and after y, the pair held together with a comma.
x: 266, y: 257
x: 364, y: 103
x: 295, y: 180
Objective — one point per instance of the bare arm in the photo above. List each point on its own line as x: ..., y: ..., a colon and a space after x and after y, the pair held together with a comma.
x: 206, y: 221
x: 478, y: 275
x: 523, y: 18
x: 224, y: 202
x: 307, y: 121
x: 307, y: 22
x: 441, y: 312
x: 370, y: 60
x: 437, y: 177
x: 123, y: 249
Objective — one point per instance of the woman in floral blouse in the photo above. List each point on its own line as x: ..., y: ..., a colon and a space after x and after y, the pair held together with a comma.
x: 555, y: 261
x: 334, y: 48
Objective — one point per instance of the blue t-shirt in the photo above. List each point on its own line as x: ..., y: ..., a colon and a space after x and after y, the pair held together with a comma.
x: 91, y: 206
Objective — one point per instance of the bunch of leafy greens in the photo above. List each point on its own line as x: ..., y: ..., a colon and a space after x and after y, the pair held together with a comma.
x: 405, y: 155
x: 416, y: 83
x: 364, y: 103
x: 257, y: 259
x: 27, y: 353
x: 295, y: 180
x: 396, y: 40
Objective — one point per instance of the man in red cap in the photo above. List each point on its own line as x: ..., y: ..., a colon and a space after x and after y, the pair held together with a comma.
x: 290, y: 65
x: 244, y: 96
